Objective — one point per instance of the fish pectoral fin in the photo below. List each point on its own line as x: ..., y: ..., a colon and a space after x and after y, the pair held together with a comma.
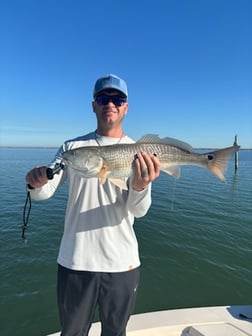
x: 103, y: 174
x: 119, y: 183
x: 173, y: 171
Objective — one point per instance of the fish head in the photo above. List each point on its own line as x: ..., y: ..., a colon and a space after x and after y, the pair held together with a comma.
x: 86, y: 160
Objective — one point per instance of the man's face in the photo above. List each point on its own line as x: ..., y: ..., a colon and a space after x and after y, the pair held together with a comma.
x: 110, y: 111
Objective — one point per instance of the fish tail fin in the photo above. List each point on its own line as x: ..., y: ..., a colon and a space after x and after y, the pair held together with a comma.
x: 217, y: 161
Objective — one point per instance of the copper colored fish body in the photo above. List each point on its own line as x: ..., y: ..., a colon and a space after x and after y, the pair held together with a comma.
x: 115, y: 162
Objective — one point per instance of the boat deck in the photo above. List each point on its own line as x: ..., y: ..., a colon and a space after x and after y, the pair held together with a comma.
x: 207, y: 321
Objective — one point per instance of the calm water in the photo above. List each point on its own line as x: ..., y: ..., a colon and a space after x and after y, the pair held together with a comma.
x: 195, y: 243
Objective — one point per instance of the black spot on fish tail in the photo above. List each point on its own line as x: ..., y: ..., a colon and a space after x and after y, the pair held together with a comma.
x: 155, y: 154
x: 210, y: 157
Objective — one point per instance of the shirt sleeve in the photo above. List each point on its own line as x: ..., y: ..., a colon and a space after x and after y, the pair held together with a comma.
x: 48, y: 190
x: 139, y: 202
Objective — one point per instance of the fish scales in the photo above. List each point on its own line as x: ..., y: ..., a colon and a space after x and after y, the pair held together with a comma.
x: 122, y: 156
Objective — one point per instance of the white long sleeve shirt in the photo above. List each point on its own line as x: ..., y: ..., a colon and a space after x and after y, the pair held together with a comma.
x: 98, y: 232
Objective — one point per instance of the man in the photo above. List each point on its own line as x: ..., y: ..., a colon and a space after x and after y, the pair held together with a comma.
x: 98, y: 261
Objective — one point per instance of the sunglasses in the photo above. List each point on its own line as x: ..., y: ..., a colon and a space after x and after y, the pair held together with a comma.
x: 105, y: 99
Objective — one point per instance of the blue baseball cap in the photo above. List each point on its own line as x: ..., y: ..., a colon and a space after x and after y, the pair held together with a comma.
x: 110, y: 82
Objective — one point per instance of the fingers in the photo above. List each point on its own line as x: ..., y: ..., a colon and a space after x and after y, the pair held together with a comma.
x: 147, y: 169
x: 37, y: 177
x: 148, y: 166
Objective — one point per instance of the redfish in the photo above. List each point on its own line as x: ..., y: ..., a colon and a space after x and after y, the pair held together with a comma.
x: 116, y: 162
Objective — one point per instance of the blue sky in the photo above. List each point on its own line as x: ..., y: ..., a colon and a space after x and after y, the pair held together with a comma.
x: 187, y: 63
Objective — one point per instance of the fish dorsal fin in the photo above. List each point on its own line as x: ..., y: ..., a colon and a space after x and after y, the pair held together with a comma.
x: 154, y: 138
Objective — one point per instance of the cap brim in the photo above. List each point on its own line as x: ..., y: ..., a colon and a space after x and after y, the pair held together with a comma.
x: 110, y: 88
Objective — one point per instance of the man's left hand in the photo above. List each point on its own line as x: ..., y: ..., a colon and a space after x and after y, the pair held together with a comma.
x: 146, y: 170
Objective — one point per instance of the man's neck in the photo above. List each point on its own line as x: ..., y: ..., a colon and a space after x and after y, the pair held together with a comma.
x: 113, y: 133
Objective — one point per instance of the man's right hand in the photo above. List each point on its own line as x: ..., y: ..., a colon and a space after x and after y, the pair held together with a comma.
x: 37, y: 177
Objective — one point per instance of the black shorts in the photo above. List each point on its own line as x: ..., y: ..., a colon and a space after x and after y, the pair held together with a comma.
x: 80, y: 292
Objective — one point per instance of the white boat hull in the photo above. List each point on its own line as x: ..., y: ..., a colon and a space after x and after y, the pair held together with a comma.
x: 206, y: 321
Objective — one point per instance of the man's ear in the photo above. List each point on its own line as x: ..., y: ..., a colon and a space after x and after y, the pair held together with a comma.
x: 126, y: 110
x: 93, y: 106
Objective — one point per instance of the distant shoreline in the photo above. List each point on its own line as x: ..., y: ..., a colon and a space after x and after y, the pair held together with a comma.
x: 28, y: 147
x: 36, y: 147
